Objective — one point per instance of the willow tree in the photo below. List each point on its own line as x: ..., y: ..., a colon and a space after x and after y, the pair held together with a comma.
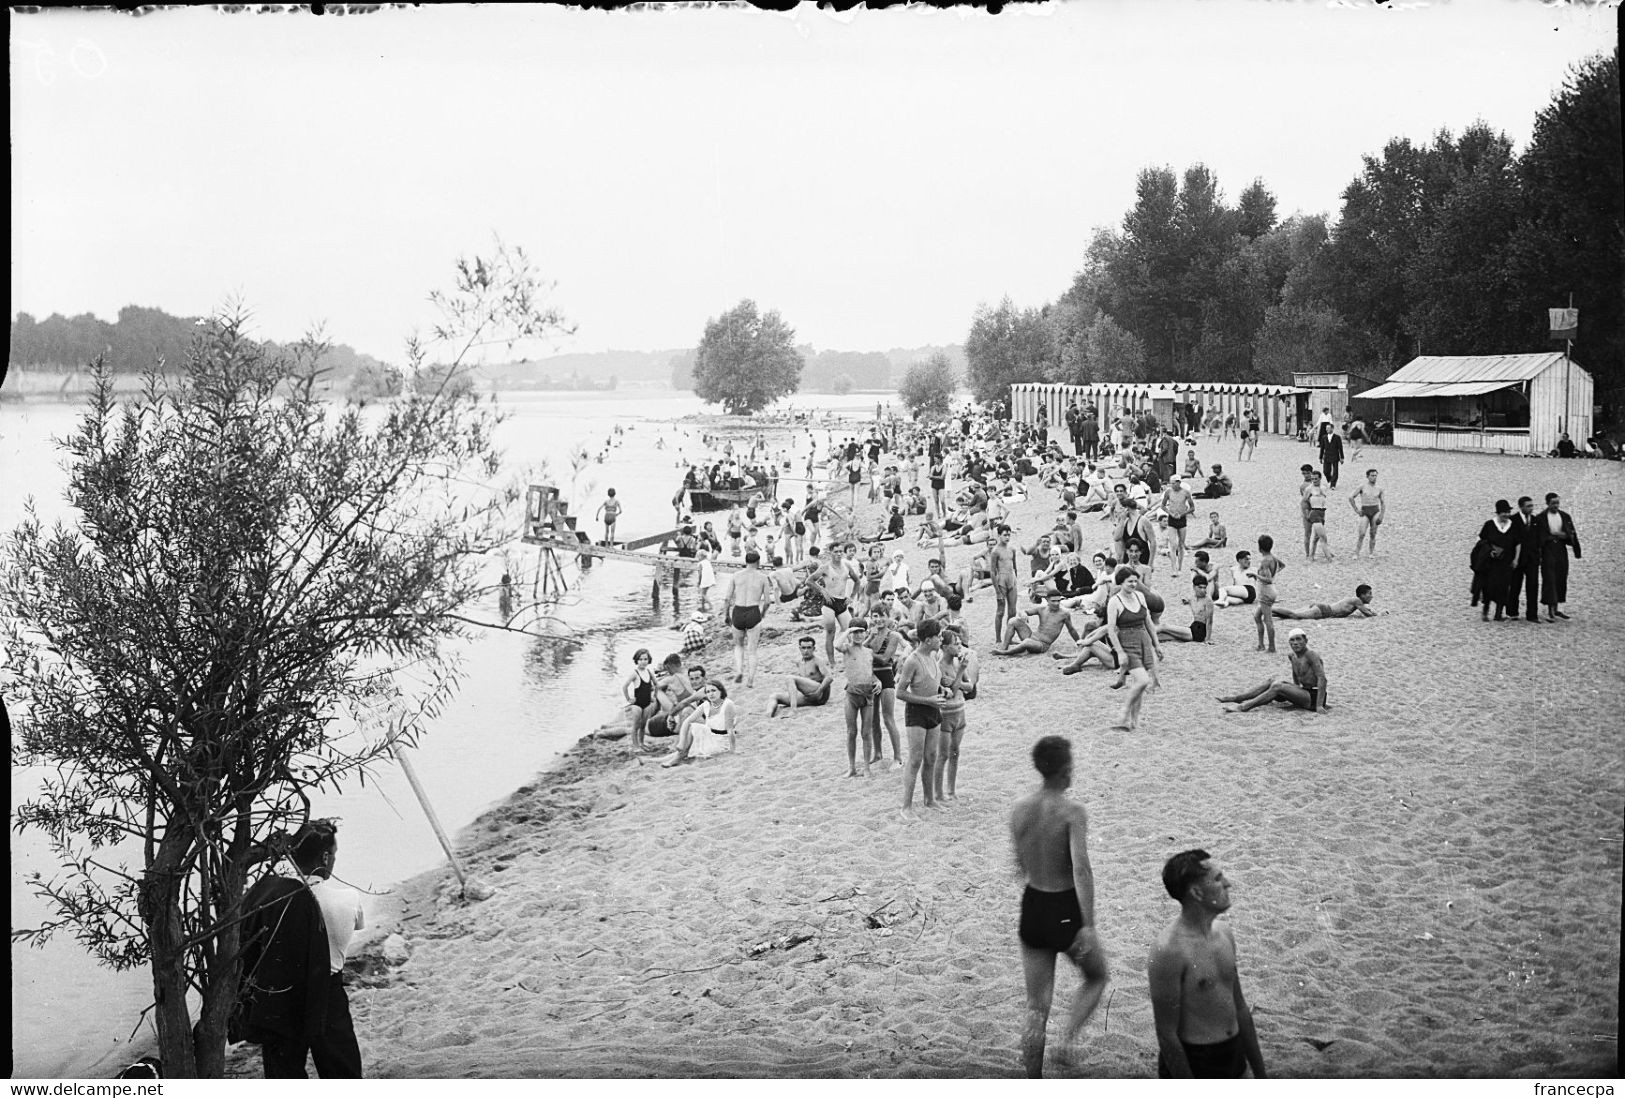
x: 252, y: 573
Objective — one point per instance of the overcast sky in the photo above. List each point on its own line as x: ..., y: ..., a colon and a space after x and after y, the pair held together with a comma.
x: 873, y: 175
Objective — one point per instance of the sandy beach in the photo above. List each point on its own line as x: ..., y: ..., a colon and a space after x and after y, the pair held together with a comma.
x: 1426, y: 879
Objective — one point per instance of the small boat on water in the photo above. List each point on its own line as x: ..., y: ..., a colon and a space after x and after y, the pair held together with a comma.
x: 720, y: 499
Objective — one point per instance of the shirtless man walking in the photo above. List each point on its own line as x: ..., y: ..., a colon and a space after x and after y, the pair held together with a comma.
x: 1051, y: 831
x: 1001, y: 563
x: 1052, y: 618
x: 1204, y: 1026
x: 749, y: 595
x: 919, y: 687
x: 1372, y: 508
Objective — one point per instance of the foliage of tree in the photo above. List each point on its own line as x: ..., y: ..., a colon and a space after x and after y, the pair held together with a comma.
x: 1571, y: 235
x: 144, y: 338
x: 841, y: 385
x: 927, y: 389
x: 746, y: 360
x: 1007, y: 345
x: 256, y: 600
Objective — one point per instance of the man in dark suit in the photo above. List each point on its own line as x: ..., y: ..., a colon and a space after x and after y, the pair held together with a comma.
x: 294, y: 992
x: 1074, y: 427
x: 1555, y: 534
x: 1331, y: 454
x: 1527, y: 575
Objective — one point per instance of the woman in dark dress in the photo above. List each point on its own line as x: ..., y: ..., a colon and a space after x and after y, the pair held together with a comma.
x: 1499, y: 543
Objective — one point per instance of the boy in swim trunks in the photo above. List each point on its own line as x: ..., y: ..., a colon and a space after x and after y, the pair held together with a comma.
x: 919, y: 687
x: 1204, y: 1026
x: 1217, y: 537
x: 1371, y: 507
x: 1201, y: 627
x: 1051, y: 617
x: 1050, y: 832
x: 862, y: 690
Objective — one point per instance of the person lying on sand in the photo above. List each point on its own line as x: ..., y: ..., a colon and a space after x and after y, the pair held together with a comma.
x: 809, y: 684
x: 1357, y: 605
x: 1307, y: 690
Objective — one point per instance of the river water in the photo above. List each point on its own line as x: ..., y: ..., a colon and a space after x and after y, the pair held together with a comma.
x: 523, y: 701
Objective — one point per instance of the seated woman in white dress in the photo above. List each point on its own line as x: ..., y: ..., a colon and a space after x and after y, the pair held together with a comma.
x: 710, y: 730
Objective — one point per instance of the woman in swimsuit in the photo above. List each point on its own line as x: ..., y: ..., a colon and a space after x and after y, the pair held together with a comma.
x: 712, y: 729
x: 939, y: 481
x: 639, y: 692
x: 1127, y: 621
x: 811, y: 516
x: 790, y: 531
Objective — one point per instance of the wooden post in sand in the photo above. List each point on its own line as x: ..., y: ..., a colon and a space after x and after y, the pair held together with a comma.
x: 428, y: 810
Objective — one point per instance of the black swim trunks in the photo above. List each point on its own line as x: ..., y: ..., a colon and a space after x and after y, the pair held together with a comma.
x: 836, y: 606
x: 817, y: 697
x: 745, y: 618
x: 1177, y: 522
x: 1050, y: 920
x: 1198, y: 631
x: 970, y: 693
x: 659, y: 725
x: 1224, y: 1060
x: 1252, y: 594
x: 886, y: 676
x: 919, y: 716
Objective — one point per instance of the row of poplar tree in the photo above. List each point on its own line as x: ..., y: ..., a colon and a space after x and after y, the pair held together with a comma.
x: 1453, y: 247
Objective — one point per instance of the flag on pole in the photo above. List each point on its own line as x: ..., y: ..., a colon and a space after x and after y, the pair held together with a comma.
x: 1565, y: 323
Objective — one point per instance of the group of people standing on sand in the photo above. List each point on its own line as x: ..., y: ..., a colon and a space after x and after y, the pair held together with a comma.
x: 1525, y: 550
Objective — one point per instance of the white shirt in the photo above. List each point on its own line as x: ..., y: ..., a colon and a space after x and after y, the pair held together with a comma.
x: 341, y: 913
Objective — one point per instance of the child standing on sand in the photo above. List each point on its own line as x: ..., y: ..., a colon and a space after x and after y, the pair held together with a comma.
x: 1264, y: 576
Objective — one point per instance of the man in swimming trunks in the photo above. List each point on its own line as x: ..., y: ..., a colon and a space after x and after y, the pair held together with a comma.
x: 1051, y: 618
x: 1307, y: 690
x: 834, y: 583
x: 945, y: 773
x: 1356, y: 606
x: 1002, y: 566
x: 1318, y: 498
x: 919, y: 687
x: 1371, y: 507
x: 1051, y: 833
x: 1177, y: 504
x: 1242, y: 588
x: 1204, y: 1027
x: 1217, y: 536
x: 749, y: 596
x: 809, y: 683
x: 1200, y: 630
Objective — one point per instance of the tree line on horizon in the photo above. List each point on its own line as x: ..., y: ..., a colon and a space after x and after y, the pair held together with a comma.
x: 1452, y: 247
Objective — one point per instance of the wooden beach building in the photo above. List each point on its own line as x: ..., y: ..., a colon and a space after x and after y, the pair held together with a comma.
x: 1334, y: 389
x: 1276, y: 405
x: 1509, y: 404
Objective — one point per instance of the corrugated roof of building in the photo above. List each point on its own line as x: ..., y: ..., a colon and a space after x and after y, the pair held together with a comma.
x: 1440, y: 369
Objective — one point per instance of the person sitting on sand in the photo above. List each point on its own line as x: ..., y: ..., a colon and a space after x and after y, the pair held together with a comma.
x: 1217, y: 537
x: 1242, y: 588
x: 1051, y: 619
x: 1356, y: 606
x: 1307, y: 690
x: 710, y: 730
x: 809, y: 683
x: 676, y: 697
x: 1219, y: 485
x: 862, y: 692
x: 1050, y: 832
x: 1200, y: 630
